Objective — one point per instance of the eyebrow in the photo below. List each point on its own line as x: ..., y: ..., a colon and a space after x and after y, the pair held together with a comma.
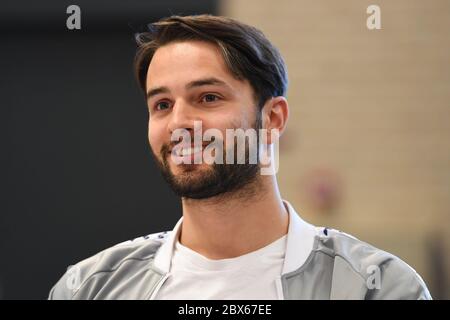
x: 193, y: 84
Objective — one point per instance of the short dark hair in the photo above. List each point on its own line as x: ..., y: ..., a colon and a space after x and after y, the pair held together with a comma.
x: 247, y: 53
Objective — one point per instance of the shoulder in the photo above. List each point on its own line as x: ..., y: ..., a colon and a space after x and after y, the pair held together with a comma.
x: 131, y: 254
x: 379, y: 274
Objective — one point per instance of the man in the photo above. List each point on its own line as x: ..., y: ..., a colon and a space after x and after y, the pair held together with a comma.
x: 237, y: 238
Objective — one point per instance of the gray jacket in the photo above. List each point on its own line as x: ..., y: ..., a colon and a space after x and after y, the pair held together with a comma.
x: 319, y: 263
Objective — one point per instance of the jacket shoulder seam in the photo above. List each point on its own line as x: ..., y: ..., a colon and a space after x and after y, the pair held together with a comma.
x: 346, y: 261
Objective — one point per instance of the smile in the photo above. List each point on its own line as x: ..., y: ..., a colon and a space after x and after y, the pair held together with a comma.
x: 186, y: 151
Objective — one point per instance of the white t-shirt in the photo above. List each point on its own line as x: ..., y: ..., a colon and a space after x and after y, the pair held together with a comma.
x: 247, y: 277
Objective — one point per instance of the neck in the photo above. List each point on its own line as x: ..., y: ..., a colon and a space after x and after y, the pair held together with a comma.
x: 232, y: 225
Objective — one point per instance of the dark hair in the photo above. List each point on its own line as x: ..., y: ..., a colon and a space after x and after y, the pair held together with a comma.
x: 247, y: 53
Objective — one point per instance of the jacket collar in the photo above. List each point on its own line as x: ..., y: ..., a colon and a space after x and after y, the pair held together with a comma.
x: 300, y: 240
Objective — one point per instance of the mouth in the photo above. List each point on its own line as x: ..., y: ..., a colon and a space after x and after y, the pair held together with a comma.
x: 186, y: 153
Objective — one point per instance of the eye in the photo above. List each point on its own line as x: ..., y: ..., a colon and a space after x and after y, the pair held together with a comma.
x: 210, y: 97
x: 163, y: 105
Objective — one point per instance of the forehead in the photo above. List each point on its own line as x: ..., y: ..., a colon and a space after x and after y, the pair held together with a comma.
x: 180, y: 62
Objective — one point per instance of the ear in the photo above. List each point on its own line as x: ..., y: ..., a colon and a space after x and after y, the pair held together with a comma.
x: 275, y: 115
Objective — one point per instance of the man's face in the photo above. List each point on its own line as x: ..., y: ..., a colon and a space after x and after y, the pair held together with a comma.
x: 188, y: 82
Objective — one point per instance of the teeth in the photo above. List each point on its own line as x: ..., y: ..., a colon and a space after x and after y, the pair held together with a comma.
x: 182, y: 152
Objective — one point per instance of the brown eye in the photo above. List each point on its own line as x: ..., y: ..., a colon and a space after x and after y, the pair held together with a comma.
x: 210, y: 98
x: 163, y: 105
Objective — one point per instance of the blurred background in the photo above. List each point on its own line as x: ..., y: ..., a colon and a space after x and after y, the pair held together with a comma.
x: 367, y: 150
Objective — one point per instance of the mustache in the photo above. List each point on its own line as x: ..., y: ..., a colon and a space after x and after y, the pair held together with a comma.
x: 166, y: 148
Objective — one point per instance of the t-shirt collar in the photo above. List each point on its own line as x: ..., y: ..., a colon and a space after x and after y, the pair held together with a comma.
x: 300, y: 241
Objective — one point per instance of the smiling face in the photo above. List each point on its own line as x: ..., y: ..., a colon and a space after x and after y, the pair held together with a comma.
x: 188, y: 81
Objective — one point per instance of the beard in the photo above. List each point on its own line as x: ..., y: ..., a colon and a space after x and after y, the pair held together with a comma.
x: 217, y: 179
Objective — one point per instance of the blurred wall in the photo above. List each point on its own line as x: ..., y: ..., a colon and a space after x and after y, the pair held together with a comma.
x: 370, y: 109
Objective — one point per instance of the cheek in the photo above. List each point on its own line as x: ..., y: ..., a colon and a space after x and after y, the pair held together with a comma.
x: 231, y: 119
x: 155, y: 136
x: 247, y: 117
x: 150, y: 133
x: 228, y: 121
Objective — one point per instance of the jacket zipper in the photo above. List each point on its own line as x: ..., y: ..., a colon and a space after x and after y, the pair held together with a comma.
x: 158, y: 286
x: 279, y: 286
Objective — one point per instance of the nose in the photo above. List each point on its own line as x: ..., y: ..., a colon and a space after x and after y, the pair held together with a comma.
x: 181, y: 117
